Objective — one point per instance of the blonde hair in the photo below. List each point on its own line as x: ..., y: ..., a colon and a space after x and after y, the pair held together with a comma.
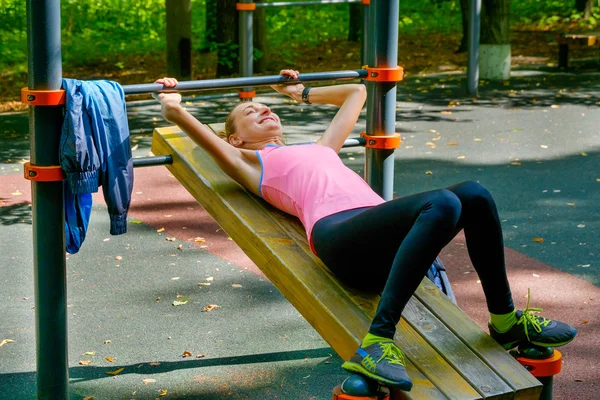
x: 230, y: 127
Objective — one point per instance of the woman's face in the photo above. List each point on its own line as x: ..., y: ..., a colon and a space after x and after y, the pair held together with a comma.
x: 255, y: 126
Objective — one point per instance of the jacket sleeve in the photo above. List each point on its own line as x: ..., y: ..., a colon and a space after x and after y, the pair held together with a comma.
x: 109, y: 120
x: 78, y: 154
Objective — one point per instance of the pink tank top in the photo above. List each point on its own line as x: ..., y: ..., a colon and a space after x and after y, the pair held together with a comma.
x: 311, y: 182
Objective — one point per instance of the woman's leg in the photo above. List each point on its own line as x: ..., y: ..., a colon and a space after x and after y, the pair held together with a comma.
x: 483, y: 234
x: 388, y: 247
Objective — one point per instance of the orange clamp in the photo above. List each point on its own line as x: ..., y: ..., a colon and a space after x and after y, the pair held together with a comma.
x: 247, y: 95
x: 43, y: 97
x: 365, y: 2
x: 245, y: 6
x: 44, y: 174
x: 384, y: 74
x: 382, y: 142
x: 541, y: 368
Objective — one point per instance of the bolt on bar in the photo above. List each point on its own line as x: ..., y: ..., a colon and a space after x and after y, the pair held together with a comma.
x: 211, y: 84
x: 304, y: 3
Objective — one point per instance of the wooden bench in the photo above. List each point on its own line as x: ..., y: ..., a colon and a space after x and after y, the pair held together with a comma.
x: 449, y: 356
x: 567, y: 40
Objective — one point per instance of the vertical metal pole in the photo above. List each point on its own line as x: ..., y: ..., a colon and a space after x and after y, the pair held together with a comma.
x: 473, y: 47
x: 381, y: 96
x: 365, y: 33
x: 179, y: 38
x: 246, y: 43
x: 45, y: 72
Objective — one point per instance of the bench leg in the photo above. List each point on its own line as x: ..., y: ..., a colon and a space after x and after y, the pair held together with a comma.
x: 563, y: 55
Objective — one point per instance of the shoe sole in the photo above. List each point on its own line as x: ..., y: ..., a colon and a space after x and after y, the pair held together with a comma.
x: 512, y: 345
x: 359, y: 369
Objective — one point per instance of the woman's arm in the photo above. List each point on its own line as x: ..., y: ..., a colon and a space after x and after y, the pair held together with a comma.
x: 227, y: 157
x: 350, y: 98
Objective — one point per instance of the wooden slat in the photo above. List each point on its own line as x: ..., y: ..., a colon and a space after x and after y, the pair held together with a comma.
x: 276, y: 243
x: 523, y: 383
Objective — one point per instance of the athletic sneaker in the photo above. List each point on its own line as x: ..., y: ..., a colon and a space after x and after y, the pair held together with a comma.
x: 383, y: 362
x: 534, y: 329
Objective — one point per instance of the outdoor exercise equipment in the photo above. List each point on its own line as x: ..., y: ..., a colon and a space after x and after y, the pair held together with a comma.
x: 448, y: 354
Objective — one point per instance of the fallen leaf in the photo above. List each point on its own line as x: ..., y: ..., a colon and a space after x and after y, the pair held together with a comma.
x: 229, y: 238
x: 17, y: 193
x: 175, y: 278
x: 236, y: 285
x: 210, y: 279
x: 186, y: 354
x: 477, y: 139
x: 180, y: 247
x: 115, y: 372
x: 585, y: 321
x: 134, y: 148
x: 109, y: 359
x: 428, y: 173
x: 581, y: 226
x: 85, y: 362
x: 170, y: 239
x: 204, y: 284
x: 584, y: 154
x: 199, y: 240
x: 107, y: 342
x: 158, y: 298
x: 168, y: 215
x: 148, y: 380
x: 539, y: 240
x: 5, y: 341
x: 430, y: 144
x: 89, y: 353
x: 461, y: 157
x: 180, y: 302
x: 118, y: 258
x: 570, y: 204
x: 535, y: 275
x: 154, y: 364
x: 89, y: 398
x: 452, y: 143
x: 515, y: 163
x: 136, y: 221
x: 446, y: 112
x: 160, y: 230
x: 200, y: 355
x: 543, y: 146
x: 555, y: 106
x: 162, y: 392
x: 211, y: 307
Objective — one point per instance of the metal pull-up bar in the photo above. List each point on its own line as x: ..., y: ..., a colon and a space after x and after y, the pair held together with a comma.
x: 212, y: 84
x: 304, y: 3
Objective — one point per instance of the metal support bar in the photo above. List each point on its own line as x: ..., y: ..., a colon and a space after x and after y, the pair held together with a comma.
x: 45, y: 73
x: 152, y: 161
x: 352, y: 142
x: 473, y: 47
x: 212, y: 84
x: 381, y: 96
x: 246, y: 46
x: 305, y: 3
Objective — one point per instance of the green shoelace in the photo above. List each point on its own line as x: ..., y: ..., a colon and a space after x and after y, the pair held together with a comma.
x: 392, y: 354
x: 528, y: 318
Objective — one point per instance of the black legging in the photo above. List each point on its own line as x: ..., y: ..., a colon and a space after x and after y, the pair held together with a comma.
x: 389, y: 248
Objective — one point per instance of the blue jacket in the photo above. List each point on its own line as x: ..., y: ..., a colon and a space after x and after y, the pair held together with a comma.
x: 95, y: 150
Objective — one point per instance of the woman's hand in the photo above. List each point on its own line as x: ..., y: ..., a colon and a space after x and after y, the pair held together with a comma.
x: 292, y: 90
x: 167, y: 97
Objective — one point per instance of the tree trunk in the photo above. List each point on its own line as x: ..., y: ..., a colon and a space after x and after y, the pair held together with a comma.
x: 260, y: 38
x: 495, y: 20
x: 179, y: 42
x: 210, y: 34
x: 584, y: 6
x: 464, y: 12
x: 355, y: 22
x: 227, y: 40
x: 494, y: 57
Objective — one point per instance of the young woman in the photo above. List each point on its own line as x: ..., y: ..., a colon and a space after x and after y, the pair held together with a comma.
x: 338, y: 210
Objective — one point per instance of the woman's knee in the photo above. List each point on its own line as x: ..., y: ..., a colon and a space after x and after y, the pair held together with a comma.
x: 446, y: 206
x: 471, y: 192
